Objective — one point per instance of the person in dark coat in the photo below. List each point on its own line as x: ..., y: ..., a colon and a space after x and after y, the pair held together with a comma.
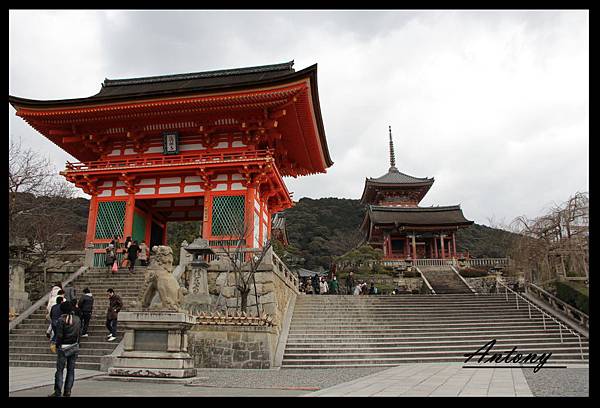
x: 86, y: 307
x: 350, y: 283
x: 132, y: 254
x: 114, y: 307
x: 68, y: 328
x: 315, y: 284
x: 55, y: 314
x: 70, y: 293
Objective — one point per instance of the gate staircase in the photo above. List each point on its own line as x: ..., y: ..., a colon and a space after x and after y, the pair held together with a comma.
x: 28, y: 345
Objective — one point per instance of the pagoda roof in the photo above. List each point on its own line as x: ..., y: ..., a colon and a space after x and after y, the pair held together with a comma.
x: 396, y: 177
x: 417, y: 216
x: 394, y: 180
x: 257, y: 88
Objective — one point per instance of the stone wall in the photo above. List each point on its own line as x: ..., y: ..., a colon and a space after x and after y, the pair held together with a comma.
x: 18, y: 298
x: 410, y: 284
x: 229, y: 346
x: 232, y: 347
x: 487, y: 284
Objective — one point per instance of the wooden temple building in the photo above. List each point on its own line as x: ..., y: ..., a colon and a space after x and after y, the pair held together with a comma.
x: 396, y: 224
x: 209, y: 146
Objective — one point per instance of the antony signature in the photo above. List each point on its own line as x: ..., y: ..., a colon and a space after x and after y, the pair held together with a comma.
x: 517, y: 358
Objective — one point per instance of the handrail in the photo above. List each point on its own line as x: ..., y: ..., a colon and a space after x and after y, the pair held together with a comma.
x: 571, y: 311
x: 560, y: 325
x: 463, y: 280
x: 13, y: 323
x: 425, y: 280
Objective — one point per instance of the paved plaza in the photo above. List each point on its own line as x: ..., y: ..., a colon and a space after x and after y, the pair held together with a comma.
x: 407, y: 380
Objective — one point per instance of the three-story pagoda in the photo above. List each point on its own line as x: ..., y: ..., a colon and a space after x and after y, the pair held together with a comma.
x: 396, y: 224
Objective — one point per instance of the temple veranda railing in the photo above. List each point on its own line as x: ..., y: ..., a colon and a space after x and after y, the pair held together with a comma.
x: 529, y: 304
x: 173, y: 160
x: 456, y: 262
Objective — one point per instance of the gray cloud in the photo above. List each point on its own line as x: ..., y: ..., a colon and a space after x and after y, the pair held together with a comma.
x: 493, y: 104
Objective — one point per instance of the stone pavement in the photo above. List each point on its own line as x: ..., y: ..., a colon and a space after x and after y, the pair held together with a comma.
x: 435, y: 380
x: 23, y: 378
x: 430, y: 379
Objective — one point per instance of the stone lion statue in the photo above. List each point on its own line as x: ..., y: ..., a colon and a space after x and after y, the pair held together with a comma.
x: 159, y: 277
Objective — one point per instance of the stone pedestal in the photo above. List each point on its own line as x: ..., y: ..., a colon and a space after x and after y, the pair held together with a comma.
x: 155, y: 345
x: 18, y: 298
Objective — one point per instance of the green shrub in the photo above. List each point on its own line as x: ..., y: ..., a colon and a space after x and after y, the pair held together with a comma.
x: 573, y: 295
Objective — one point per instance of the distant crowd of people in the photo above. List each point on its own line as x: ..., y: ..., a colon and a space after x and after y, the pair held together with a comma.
x: 316, y: 285
x: 131, y: 250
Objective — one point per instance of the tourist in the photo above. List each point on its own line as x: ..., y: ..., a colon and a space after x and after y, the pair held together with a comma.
x: 144, y: 252
x: 86, y: 306
x: 51, y: 302
x: 132, y: 253
x: 111, y: 256
x: 334, y: 285
x: 70, y: 293
x: 350, y: 283
x: 323, y: 287
x: 125, y: 262
x: 114, y: 307
x: 372, y: 289
x: 315, y: 284
x: 68, y: 328
x: 308, y: 287
x: 55, y: 314
x: 364, y: 290
x: 357, y: 289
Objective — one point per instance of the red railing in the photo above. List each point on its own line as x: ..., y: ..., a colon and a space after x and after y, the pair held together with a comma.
x: 165, y: 160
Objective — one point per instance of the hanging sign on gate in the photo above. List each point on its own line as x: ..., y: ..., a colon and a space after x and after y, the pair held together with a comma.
x: 171, y: 143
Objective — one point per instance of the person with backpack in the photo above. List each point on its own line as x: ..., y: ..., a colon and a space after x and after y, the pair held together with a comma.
x: 86, y: 307
x: 68, y: 328
x: 144, y: 252
x: 54, y: 293
x: 350, y: 283
x: 55, y: 314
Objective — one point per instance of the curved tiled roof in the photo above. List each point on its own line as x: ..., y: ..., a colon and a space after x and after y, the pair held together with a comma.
x: 394, y: 176
x: 446, y: 215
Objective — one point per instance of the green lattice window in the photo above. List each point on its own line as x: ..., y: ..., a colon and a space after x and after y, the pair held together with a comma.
x: 228, y: 215
x: 110, y: 219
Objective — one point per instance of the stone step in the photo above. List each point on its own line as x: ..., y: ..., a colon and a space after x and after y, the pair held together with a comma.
x: 414, y: 356
x: 42, y: 349
x: 418, y: 317
x: 446, y: 340
x: 84, y: 343
x: 504, y: 348
x: 449, y: 325
x: 52, y: 364
x: 52, y: 357
x: 440, y: 333
x: 310, y: 364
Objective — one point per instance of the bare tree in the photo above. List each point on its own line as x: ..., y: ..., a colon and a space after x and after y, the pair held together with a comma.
x: 555, y: 244
x: 35, y: 216
x: 244, y: 264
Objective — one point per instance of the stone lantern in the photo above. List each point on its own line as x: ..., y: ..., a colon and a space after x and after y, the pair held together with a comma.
x: 197, y: 275
x: 201, y: 252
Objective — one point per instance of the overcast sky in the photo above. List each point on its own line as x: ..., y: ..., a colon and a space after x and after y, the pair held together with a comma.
x: 493, y: 104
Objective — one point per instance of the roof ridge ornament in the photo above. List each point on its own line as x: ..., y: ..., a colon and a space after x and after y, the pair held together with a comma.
x: 392, y: 158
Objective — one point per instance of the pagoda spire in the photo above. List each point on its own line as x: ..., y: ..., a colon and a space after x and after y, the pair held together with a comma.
x: 392, y: 158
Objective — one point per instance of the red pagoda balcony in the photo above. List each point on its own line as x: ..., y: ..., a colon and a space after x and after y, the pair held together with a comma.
x: 180, y: 160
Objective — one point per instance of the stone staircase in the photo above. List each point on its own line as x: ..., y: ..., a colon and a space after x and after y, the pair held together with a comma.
x: 29, y: 347
x: 362, y: 331
x: 444, y: 280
